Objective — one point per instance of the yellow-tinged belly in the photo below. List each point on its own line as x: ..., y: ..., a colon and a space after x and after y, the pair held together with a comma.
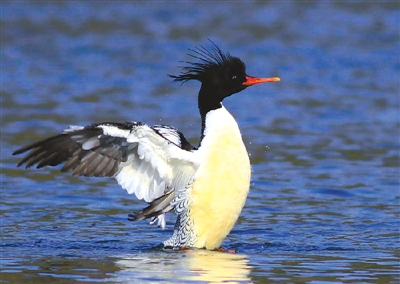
x: 220, y: 188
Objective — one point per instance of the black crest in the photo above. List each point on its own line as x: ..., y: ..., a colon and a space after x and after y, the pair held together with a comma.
x: 208, y: 62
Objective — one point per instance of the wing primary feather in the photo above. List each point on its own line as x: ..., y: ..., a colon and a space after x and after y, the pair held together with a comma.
x: 35, y: 145
x: 33, y: 158
x: 42, y: 151
x: 51, y: 160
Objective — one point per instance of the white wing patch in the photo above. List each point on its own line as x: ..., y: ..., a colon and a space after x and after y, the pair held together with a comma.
x: 114, y: 131
x: 156, y: 167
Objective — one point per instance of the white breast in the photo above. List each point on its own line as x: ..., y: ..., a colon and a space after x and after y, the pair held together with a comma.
x: 221, y: 182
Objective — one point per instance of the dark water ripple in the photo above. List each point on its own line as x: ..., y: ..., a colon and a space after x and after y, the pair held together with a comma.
x: 324, y: 142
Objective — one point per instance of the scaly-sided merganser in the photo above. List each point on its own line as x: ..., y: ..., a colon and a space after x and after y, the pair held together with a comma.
x: 206, y: 186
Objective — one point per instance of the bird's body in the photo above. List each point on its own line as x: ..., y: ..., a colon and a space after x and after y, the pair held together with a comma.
x: 206, y: 186
x: 222, y: 180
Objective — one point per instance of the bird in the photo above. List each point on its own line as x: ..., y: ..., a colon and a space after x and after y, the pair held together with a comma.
x: 206, y: 186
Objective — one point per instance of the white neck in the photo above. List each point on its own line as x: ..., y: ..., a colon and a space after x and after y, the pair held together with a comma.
x: 217, y: 122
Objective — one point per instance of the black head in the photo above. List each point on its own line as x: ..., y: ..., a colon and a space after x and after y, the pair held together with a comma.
x: 220, y: 73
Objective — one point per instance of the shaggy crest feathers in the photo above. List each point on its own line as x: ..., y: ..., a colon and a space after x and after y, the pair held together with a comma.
x: 208, y: 60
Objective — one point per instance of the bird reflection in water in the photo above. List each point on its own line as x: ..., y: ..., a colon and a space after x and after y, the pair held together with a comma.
x: 188, y: 265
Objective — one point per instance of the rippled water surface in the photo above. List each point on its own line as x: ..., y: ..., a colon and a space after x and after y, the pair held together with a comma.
x: 324, y: 142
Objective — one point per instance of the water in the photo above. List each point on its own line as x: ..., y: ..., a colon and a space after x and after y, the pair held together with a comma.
x: 324, y: 142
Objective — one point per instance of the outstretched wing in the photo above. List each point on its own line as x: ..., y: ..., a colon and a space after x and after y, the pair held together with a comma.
x: 151, y: 162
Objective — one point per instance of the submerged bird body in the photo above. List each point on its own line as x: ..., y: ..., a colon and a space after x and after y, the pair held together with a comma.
x: 206, y: 186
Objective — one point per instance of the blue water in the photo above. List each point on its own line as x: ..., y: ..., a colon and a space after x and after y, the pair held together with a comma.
x: 324, y: 142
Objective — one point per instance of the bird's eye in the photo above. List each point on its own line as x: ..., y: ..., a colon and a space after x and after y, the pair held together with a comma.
x: 234, y: 77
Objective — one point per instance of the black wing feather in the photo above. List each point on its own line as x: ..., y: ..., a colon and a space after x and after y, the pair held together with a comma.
x: 156, y: 207
x: 39, y: 151
x: 101, y: 160
x: 100, y: 157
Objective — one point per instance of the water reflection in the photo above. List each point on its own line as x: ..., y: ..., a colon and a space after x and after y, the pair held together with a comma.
x: 193, y: 265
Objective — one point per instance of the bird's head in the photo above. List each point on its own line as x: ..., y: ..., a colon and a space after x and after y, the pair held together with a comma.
x: 220, y: 73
